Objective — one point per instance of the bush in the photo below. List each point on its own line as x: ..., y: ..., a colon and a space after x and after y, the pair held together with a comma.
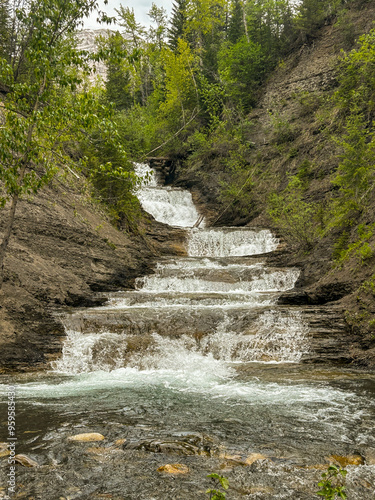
x: 300, y: 222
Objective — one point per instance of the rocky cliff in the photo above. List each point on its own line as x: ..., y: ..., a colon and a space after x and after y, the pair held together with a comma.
x: 62, y: 251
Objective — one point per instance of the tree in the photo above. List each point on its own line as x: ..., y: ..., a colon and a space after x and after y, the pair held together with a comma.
x: 178, y: 23
x: 311, y: 14
x: 159, y: 17
x: 4, y: 28
x: 118, y: 81
x: 132, y: 30
x: 180, y: 84
x: 242, y: 69
x: 42, y: 108
x: 236, y: 27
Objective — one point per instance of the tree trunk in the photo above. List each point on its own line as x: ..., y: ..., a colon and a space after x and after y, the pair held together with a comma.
x: 8, y: 231
x: 245, y: 22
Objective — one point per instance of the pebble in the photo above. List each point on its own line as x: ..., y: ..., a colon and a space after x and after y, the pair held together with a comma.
x: 25, y: 461
x: 4, y: 451
x: 174, y: 469
x: 347, y: 460
x: 253, y: 457
x: 87, y: 437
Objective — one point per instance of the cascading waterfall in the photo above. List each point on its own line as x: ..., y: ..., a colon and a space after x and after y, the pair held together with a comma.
x: 172, y: 206
x: 269, y: 336
x: 199, y: 357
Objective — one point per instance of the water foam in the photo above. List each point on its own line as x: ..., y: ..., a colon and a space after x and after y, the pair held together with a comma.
x: 269, y: 281
x: 230, y: 242
x: 276, y: 337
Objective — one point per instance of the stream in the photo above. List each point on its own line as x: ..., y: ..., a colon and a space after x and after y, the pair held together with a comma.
x: 198, y: 366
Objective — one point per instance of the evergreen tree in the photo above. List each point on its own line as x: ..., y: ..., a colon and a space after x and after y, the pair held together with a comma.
x: 178, y: 23
x: 5, y: 29
x: 311, y: 14
x: 236, y: 27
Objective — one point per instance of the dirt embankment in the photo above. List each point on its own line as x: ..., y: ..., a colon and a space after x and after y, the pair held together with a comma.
x: 62, y: 251
x: 291, y: 133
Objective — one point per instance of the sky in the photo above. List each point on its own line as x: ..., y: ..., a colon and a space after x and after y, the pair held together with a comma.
x: 141, y: 7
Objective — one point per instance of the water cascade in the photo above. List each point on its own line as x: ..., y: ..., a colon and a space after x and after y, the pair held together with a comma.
x: 195, y: 365
x: 170, y: 205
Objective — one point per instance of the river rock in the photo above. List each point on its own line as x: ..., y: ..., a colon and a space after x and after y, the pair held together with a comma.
x: 167, y: 446
x: 191, y: 444
x: 25, y: 461
x: 120, y: 442
x: 253, y: 457
x: 4, y: 451
x: 87, y: 437
x: 174, y: 469
x: 347, y: 460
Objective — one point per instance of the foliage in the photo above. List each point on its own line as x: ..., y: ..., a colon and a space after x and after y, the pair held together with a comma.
x: 221, y: 482
x: 356, y: 92
x: 311, y: 14
x: 301, y: 222
x: 283, y: 130
x: 331, y: 486
x: 356, y: 171
x: 361, y: 247
x: 180, y: 84
x: 240, y: 78
x: 178, y: 23
x: 113, y: 180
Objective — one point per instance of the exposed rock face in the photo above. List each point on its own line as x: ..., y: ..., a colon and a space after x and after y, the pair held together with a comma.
x: 62, y: 251
x: 87, y: 41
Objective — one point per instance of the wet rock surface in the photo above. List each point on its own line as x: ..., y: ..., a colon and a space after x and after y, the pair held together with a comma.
x: 72, y: 472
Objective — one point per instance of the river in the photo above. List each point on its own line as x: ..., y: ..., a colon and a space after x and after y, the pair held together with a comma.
x: 198, y: 366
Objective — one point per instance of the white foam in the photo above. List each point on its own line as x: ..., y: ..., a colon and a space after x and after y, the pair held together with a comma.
x: 227, y: 243
x: 268, y: 282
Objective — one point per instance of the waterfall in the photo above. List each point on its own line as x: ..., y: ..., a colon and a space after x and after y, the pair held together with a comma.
x: 207, y: 305
x: 198, y: 359
x: 173, y: 206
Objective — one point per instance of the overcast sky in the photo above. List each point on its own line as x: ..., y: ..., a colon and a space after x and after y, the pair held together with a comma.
x: 141, y: 7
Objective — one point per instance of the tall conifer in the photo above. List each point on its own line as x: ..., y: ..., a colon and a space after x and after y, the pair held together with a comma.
x: 178, y: 21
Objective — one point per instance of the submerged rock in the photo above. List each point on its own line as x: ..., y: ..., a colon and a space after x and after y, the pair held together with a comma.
x: 4, y: 452
x: 174, y: 469
x: 25, y: 461
x: 253, y: 457
x: 184, y: 445
x: 347, y: 460
x: 87, y: 437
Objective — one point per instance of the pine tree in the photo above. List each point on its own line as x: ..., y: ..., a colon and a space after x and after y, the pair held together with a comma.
x: 4, y: 29
x: 236, y: 27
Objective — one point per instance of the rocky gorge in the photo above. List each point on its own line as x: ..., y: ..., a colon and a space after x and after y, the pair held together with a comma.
x: 204, y: 341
